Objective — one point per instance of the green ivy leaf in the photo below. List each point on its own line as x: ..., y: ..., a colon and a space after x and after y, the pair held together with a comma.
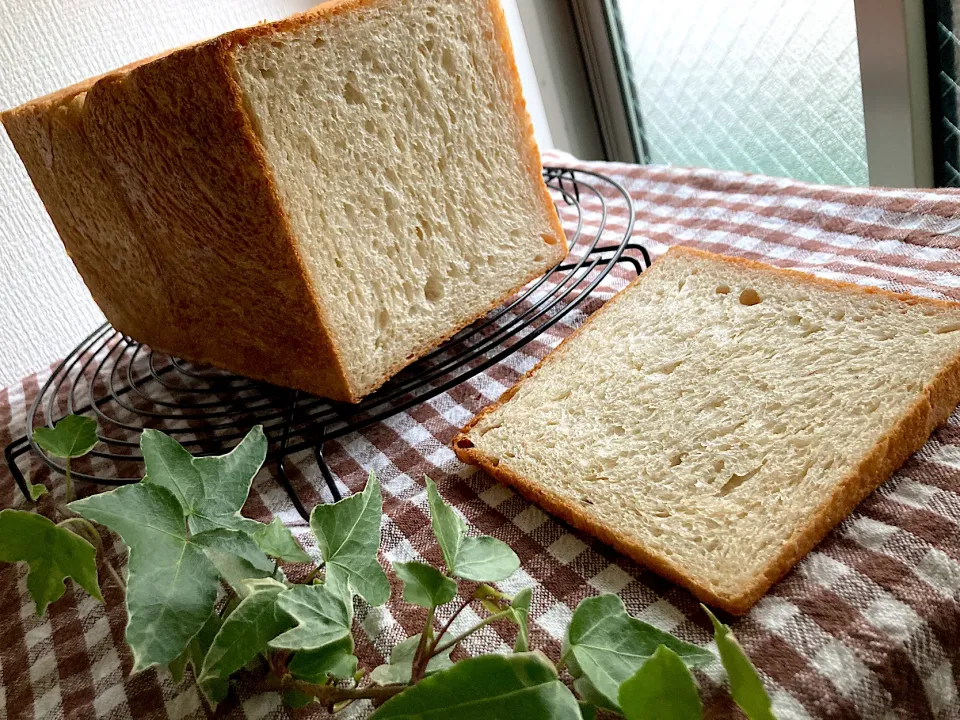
x: 211, y: 490
x: 607, y: 646
x: 335, y: 660
x: 400, y: 668
x: 523, y: 685
x: 243, y: 635
x: 73, y: 436
x: 236, y: 556
x: 323, y: 615
x: 662, y: 689
x: 52, y: 554
x: 348, y: 533
x: 484, y: 559
x: 490, y: 598
x: 277, y: 541
x: 172, y: 585
x: 521, y: 616
x: 424, y: 585
x: 588, y: 711
x: 196, y: 649
x: 745, y: 684
x: 296, y: 699
x: 36, y: 490
x: 591, y: 696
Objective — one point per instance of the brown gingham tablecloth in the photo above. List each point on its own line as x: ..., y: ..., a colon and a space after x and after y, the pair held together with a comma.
x: 867, y: 626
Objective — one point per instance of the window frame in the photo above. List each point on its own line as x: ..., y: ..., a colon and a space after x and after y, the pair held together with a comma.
x: 584, y: 78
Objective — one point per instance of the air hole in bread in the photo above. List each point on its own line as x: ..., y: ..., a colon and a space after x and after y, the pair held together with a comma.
x: 838, y: 315
x: 794, y: 319
x: 736, y: 481
x: 319, y: 42
x: 448, y: 62
x: 431, y: 27
x: 485, y: 430
x: 395, y: 223
x: 476, y: 222
x: 549, y: 239
x: 676, y: 460
x: 669, y: 367
x: 749, y: 297
x: 538, y: 258
x: 433, y: 290
x: 352, y: 95
x: 370, y: 126
x: 723, y: 289
x: 268, y: 73
x: 383, y: 319
x: 948, y: 328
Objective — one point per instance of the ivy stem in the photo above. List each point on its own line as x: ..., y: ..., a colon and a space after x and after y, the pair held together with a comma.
x: 421, y: 657
x: 68, y: 480
x: 329, y: 695
x: 486, y: 621
x: 314, y: 573
x: 446, y: 626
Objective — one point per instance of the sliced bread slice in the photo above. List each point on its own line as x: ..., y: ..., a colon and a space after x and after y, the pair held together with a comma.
x: 315, y: 202
x: 716, y: 418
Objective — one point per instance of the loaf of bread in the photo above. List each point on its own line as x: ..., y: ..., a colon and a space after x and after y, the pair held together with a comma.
x: 716, y: 418
x: 315, y: 202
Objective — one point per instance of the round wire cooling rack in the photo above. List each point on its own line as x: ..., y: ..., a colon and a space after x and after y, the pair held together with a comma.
x: 128, y: 387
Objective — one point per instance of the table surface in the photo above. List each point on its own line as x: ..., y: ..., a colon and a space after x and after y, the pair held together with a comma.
x: 866, y: 626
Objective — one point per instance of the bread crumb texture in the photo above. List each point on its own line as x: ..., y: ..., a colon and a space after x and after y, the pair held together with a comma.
x: 715, y: 408
x: 434, y: 207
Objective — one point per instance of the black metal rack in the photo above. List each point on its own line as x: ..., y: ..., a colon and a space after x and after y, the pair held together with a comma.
x: 128, y: 387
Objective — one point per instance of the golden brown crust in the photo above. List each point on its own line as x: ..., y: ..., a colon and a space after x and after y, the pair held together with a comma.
x: 932, y: 408
x: 528, y: 149
x: 159, y: 171
x: 179, y: 145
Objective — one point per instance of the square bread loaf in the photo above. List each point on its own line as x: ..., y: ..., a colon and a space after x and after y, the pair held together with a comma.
x: 315, y: 202
x: 717, y: 417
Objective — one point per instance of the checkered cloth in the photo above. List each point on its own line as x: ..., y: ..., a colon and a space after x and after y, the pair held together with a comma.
x: 867, y: 626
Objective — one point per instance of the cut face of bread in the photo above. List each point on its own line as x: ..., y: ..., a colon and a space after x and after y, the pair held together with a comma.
x: 315, y: 202
x: 718, y: 416
x: 433, y: 208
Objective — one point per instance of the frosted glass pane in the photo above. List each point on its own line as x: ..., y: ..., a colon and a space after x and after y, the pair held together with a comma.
x: 768, y: 86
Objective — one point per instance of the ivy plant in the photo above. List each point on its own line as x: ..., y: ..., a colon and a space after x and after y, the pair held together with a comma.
x: 206, y: 589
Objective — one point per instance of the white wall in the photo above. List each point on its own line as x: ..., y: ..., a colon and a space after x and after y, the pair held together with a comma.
x: 47, y: 44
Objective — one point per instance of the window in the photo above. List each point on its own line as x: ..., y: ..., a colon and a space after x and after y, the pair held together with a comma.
x: 831, y: 91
